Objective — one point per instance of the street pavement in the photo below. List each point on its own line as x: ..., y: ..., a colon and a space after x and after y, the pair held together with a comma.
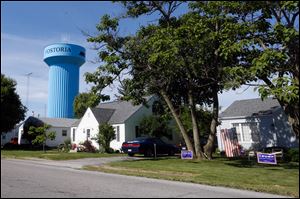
x: 37, y: 178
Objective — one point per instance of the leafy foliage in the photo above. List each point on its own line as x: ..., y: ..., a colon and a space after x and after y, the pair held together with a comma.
x: 204, y: 117
x: 41, y: 135
x: 105, y: 136
x: 155, y: 126
x: 83, y: 101
x: 66, y: 146
x: 267, y: 46
x: 12, y: 110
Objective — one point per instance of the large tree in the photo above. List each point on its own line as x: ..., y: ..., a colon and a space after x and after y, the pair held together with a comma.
x: 83, y: 101
x: 12, y: 110
x: 120, y: 53
x: 268, y: 48
x: 177, y: 59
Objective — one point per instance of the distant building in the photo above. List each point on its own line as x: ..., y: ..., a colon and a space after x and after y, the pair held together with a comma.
x: 257, y: 124
x: 61, y: 127
x: 13, y: 134
x: 122, y: 115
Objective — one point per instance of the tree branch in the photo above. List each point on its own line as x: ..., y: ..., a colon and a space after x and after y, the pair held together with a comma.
x: 294, y: 18
x: 161, y: 10
x: 286, y: 17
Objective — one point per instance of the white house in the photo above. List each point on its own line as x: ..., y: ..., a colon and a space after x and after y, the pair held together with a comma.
x: 257, y: 124
x: 6, y: 137
x: 122, y: 115
x: 61, y: 127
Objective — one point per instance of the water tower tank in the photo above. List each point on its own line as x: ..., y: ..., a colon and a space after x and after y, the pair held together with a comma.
x: 64, y: 61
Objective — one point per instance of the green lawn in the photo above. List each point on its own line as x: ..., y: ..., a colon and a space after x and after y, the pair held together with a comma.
x: 52, y: 154
x: 281, y: 179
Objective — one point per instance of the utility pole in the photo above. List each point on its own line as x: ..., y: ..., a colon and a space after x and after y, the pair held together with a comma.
x: 27, y: 92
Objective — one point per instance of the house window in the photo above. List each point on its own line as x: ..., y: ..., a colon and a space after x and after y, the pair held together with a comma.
x: 237, y: 130
x: 254, y: 132
x: 88, y: 134
x: 245, y: 131
x: 137, y: 132
x: 73, y: 135
x: 117, y: 133
x: 64, y: 132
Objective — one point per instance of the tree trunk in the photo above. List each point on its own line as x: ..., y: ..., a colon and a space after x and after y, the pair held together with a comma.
x: 292, y: 112
x: 209, y: 147
x: 196, y: 134
x: 178, y: 121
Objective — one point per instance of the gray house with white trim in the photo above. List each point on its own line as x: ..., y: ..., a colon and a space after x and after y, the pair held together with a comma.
x: 257, y: 124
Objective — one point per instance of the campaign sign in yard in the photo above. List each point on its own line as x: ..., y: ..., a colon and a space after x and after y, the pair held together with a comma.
x: 266, y: 158
x: 185, y: 154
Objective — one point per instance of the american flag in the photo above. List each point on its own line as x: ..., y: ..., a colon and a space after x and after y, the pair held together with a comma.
x: 230, y: 142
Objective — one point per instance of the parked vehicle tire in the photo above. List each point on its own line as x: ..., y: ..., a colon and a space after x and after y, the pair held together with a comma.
x: 171, y: 152
x: 131, y: 154
x: 148, y: 153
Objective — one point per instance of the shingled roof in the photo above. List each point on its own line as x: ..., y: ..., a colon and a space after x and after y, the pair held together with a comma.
x: 102, y: 115
x: 59, y: 122
x: 122, y: 110
x: 54, y: 122
x: 250, y: 107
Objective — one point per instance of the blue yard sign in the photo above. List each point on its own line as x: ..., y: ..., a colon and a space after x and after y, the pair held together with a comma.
x: 266, y: 158
x: 185, y: 154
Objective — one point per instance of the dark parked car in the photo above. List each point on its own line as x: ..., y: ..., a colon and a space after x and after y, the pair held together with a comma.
x: 145, y: 145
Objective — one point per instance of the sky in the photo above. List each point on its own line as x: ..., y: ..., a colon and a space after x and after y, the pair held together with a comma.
x: 28, y: 27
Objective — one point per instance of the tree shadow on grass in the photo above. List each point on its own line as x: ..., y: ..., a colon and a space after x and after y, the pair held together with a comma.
x: 245, y: 163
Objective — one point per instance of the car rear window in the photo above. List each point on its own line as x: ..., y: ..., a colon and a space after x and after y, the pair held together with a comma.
x: 140, y: 139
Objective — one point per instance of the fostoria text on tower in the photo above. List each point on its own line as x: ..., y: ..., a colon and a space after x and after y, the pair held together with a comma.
x: 64, y: 61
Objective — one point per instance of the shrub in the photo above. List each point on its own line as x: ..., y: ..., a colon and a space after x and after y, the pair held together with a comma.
x: 293, y: 155
x: 88, y: 146
x: 105, y: 136
x: 66, y: 146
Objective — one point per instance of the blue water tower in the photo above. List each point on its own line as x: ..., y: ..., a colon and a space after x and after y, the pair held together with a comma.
x: 64, y: 61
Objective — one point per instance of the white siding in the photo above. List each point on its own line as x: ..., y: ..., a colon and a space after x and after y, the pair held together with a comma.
x: 116, y: 145
x: 272, y: 130
x: 59, y: 138
x: 242, y: 124
x: 88, y: 121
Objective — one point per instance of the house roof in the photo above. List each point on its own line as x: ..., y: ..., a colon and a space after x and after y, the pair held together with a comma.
x: 250, y: 107
x: 102, y: 115
x: 122, y: 110
x: 76, y: 123
x: 59, y: 122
